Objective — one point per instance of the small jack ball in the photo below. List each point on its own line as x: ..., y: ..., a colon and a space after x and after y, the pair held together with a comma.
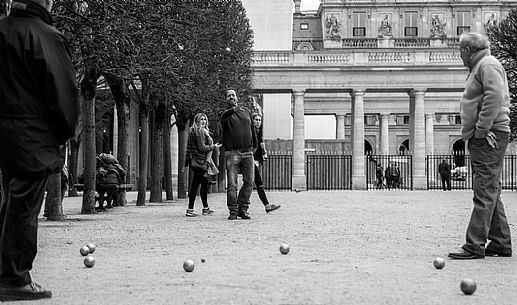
x: 228, y: 49
x: 89, y: 261
x: 284, y: 248
x: 84, y: 250
x: 188, y: 265
x: 439, y: 263
x: 468, y: 286
x: 91, y: 247
x: 203, y: 260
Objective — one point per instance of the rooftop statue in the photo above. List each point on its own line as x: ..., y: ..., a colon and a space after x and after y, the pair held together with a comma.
x: 385, y: 28
x: 333, y: 28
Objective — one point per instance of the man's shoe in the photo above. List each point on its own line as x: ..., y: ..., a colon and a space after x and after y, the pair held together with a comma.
x: 232, y: 217
x: 490, y: 252
x: 32, y: 291
x: 272, y: 207
x: 464, y: 254
x: 244, y: 215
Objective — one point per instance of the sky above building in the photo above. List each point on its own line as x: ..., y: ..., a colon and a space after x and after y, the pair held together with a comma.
x: 309, y: 5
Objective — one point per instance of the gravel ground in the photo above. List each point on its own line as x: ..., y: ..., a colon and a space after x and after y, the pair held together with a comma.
x: 350, y: 247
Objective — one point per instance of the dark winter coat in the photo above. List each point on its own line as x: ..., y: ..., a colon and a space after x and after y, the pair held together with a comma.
x: 38, y: 93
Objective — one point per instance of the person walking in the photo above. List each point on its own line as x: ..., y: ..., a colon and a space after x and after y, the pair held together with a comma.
x: 239, y: 142
x: 39, y: 106
x: 445, y: 173
x: 379, y: 173
x: 259, y: 156
x: 199, y: 148
x: 484, y: 110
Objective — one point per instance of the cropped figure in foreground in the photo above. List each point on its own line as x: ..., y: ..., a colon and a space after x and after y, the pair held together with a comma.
x: 485, y: 118
x: 38, y: 113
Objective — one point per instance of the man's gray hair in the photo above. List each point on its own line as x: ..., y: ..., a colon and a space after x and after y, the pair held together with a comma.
x: 474, y: 41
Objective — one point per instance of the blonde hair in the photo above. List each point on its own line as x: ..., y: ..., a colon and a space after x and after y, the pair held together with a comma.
x: 196, y: 126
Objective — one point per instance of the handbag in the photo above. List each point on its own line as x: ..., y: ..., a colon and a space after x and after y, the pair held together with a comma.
x: 198, y: 164
x: 211, y: 168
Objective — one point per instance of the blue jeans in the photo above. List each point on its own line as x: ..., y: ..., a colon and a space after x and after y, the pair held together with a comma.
x: 238, y: 162
x: 488, y: 219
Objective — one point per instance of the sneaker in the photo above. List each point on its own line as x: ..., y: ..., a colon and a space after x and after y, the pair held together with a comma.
x: 207, y: 211
x: 191, y: 213
x: 244, y: 215
x: 232, y: 217
x: 32, y: 291
x: 272, y: 207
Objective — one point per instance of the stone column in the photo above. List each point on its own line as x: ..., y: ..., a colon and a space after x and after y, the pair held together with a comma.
x: 417, y: 138
x: 384, y: 134
x: 115, y: 131
x: 175, y: 156
x: 299, y: 179
x: 429, y: 133
x: 340, y: 126
x: 358, y: 174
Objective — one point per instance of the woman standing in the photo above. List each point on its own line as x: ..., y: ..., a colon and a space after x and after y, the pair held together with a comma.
x: 199, y: 148
x: 260, y: 156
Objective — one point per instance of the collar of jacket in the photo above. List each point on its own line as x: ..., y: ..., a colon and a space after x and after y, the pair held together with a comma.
x: 30, y: 9
x: 476, y: 57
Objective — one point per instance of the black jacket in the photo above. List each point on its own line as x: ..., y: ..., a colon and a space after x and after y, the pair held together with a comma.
x: 38, y: 92
x: 238, y: 129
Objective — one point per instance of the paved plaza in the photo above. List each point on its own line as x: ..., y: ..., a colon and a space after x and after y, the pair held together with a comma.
x: 350, y: 247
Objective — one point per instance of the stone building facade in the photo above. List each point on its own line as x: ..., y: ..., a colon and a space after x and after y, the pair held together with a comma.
x: 391, y: 75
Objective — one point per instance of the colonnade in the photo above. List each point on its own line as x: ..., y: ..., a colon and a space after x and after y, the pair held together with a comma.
x: 420, y: 136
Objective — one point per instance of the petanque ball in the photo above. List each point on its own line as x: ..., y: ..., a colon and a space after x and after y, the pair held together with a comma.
x: 84, y: 250
x: 89, y: 261
x: 188, y: 265
x: 91, y: 247
x: 468, y: 286
x: 284, y: 248
x: 439, y: 263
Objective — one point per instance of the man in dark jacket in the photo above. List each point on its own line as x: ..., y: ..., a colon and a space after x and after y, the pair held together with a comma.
x: 38, y: 113
x: 239, y: 142
x: 444, y: 170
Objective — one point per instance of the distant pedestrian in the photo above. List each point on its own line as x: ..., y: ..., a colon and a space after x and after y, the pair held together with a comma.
x: 484, y: 109
x: 395, y: 176
x: 39, y: 106
x: 445, y: 173
x: 388, y: 177
x: 259, y: 157
x: 379, y: 173
x: 239, y: 142
x: 199, y: 145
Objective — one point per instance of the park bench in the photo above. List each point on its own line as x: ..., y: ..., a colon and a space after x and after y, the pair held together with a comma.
x: 111, y: 193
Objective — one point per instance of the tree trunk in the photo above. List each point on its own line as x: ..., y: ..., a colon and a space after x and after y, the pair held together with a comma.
x: 156, y: 154
x: 144, y: 157
x: 54, y: 200
x: 167, y: 159
x: 73, y: 166
x: 88, y: 89
x: 120, y: 92
x: 182, y: 175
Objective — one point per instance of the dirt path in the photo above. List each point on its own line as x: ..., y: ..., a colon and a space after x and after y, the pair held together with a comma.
x: 346, y: 248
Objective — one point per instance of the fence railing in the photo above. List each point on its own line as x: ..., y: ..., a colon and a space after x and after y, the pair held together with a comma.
x: 277, y: 172
x: 389, y: 172
x: 461, y: 172
x: 329, y: 172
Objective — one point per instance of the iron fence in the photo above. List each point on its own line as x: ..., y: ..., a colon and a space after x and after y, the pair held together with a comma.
x: 329, y: 172
x: 461, y: 172
x: 389, y: 172
x: 277, y: 172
